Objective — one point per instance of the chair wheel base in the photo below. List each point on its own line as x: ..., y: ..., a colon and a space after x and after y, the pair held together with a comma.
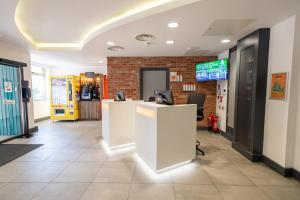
x: 198, y: 150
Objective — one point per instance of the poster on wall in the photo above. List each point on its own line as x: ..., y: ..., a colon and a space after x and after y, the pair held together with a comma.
x: 278, y: 89
x: 173, y: 76
x: 7, y: 87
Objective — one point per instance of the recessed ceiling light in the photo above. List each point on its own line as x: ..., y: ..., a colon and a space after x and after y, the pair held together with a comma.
x: 145, y: 37
x: 173, y: 24
x: 100, y: 61
x: 225, y: 41
x: 170, y: 42
x: 116, y: 48
x: 110, y: 43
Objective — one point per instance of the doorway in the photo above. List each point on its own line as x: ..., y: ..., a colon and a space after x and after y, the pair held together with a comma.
x: 245, y: 91
x: 10, y: 102
x: 152, y: 79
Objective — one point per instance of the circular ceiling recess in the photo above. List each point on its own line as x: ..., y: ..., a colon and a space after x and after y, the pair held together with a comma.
x: 116, y: 48
x: 145, y: 37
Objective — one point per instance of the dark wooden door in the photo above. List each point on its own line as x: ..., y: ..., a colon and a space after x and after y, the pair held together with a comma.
x: 245, y: 93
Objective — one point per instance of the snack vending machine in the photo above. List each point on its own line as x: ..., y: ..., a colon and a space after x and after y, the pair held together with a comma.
x: 64, y: 97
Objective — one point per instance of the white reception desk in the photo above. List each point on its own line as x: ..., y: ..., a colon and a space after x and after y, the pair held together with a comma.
x: 165, y: 135
x: 118, y: 126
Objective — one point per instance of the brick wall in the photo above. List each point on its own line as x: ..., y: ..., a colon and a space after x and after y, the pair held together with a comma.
x: 123, y: 74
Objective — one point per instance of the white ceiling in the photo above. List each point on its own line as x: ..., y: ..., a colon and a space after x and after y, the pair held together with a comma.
x: 202, y: 25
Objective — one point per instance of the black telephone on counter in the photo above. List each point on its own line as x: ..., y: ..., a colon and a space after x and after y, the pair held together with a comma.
x: 120, y: 96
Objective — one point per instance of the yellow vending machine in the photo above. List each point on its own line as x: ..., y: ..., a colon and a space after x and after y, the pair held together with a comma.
x: 64, y: 97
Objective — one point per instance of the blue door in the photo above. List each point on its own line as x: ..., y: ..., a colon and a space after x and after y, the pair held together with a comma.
x: 10, y: 102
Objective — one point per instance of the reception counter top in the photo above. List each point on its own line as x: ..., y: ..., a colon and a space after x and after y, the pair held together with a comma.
x: 165, y: 135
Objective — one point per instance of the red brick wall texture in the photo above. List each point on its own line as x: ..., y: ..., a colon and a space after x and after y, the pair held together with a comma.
x: 123, y: 75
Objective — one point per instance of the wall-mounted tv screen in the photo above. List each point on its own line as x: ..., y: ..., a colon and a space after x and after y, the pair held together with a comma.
x: 215, y: 70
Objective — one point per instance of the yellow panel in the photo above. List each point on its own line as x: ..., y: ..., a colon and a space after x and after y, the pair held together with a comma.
x: 63, y: 97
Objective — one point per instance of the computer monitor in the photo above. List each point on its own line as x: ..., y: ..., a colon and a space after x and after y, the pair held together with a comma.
x: 120, y: 96
x: 164, y: 97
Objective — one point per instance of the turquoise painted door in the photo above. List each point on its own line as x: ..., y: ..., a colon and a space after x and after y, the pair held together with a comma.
x: 10, y: 101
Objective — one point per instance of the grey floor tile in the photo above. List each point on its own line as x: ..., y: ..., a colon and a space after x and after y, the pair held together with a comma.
x: 197, y: 192
x: 79, y: 172
x: 282, y: 193
x: 263, y: 175
x: 116, y: 172
x: 107, y: 191
x: 151, y: 191
x: 227, y: 175
x: 190, y: 174
x: 65, y: 191
x: 17, y: 191
x: 242, y: 193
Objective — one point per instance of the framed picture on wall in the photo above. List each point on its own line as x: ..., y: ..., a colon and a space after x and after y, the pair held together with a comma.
x: 173, y: 76
x: 278, y: 90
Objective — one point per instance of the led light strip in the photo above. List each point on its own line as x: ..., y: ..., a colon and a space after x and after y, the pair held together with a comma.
x: 94, y: 30
x: 158, y: 173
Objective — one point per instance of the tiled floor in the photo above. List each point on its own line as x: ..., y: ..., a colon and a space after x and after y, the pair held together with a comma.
x: 73, y: 164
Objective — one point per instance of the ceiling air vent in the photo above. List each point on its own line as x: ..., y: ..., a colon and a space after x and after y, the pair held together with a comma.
x: 145, y: 37
x: 116, y: 48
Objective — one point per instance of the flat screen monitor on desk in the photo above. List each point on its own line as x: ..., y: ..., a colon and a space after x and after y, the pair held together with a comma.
x: 164, y: 97
x: 120, y: 96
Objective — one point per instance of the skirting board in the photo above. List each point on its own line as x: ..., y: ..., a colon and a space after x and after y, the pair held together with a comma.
x: 247, y: 154
x: 226, y: 135
x: 41, y: 119
x: 202, y: 128
x: 296, y: 174
x: 287, y: 172
x: 34, y: 129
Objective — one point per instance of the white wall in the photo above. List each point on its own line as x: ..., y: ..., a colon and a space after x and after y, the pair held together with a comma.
x: 75, y: 70
x: 295, y: 130
x: 12, y: 52
x: 282, y: 118
x: 42, y: 107
x: 221, y: 107
x: 276, y: 116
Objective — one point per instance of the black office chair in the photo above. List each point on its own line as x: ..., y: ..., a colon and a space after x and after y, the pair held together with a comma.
x: 151, y: 99
x: 198, y: 99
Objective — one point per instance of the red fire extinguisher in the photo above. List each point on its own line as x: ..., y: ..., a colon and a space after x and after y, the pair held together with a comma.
x: 213, y: 123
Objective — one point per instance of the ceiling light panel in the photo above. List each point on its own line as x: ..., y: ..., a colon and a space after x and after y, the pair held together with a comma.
x: 110, y: 43
x: 225, y: 41
x: 173, y: 25
x: 145, y: 37
x: 170, y: 42
x: 116, y: 48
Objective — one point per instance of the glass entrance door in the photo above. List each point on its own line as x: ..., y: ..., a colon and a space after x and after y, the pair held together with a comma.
x: 10, y: 102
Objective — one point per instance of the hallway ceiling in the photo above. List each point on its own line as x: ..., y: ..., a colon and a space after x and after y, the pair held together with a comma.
x: 72, y: 33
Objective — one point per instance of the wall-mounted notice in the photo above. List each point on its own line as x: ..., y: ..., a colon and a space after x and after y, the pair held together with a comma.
x: 7, y: 87
x: 278, y: 86
x: 173, y: 76
x: 9, y: 101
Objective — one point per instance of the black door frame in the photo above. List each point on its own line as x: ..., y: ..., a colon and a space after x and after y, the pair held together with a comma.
x: 142, y: 69
x: 229, y: 131
x: 253, y: 100
x: 260, y: 40
x: 24, y: 121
